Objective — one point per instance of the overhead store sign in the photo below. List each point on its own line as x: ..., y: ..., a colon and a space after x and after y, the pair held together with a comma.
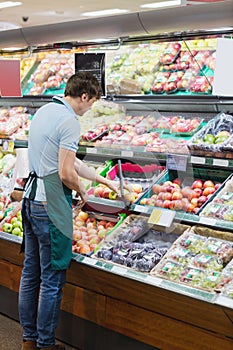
x: 10, y: 78
x: 223, y: 73
x: 93, y: 63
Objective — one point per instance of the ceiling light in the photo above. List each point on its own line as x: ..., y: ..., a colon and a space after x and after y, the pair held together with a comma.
x: 6, y: 4
x: 104, y: 13
x: 160, y: 4
x: 8, y: 25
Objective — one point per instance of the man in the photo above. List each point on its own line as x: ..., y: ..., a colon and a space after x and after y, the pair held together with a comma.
x: 47, y: 212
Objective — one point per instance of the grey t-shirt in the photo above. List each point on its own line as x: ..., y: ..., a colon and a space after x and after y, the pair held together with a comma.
x: 54, y: 126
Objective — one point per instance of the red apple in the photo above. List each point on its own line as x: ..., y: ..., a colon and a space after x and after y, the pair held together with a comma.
x: 156, y: 188
x: 201, y: 200
x: 217, y: 185
x: 208, y: 183
x: 177, y: 195
x: 177, y: 181
x: 197, y: 184
x: 82, y: 215
x: 198, y: 191
x: 167, y: 196
x: 208, y: 190
x: 166, y: 204
x: 195, y: 210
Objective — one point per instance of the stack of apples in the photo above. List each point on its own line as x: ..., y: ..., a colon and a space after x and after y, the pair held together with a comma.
x: 131, y: 194
x: 14, y: 225
x: 88, y: 231
x: 172, y: 195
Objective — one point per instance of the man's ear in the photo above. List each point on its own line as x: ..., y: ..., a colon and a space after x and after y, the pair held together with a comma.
x: 84, y: 97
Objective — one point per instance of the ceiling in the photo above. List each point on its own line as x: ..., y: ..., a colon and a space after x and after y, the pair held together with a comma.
x: 42, y: 22
x: 43, y: 12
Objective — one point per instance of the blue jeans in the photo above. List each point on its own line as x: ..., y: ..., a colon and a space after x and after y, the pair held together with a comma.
x: 40, y: 291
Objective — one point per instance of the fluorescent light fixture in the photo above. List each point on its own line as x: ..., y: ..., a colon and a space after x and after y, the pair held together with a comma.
x: 8, y: 25
x: 104, y: 13
x: 6, y: 4
x: 11, y: 48
x: 160, y: 4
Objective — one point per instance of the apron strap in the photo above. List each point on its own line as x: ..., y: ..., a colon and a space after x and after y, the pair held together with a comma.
x: 32, y: 180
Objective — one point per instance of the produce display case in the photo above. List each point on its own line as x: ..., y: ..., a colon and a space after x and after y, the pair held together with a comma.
x: 111, y: 293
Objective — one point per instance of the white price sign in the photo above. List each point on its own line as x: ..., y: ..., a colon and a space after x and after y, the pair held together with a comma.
x: 221, y: 162
x: 197, y: 160
x: 127, y: 154
x: 141, y: 208
x: 207, y: 221
x: 91, y: 150
x: 161, y: 217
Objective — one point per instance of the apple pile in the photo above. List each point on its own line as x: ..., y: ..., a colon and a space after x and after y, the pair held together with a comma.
x: 202, y: 84
x: 172, y: 195
x: 14, y: 225
x: 91, y: 135
x: 131, y: 195
x: 170, y: 53
x: 88, y: 232
x: 210, y: 139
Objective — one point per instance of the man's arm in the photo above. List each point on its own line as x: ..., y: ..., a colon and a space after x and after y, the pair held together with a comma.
x: 89, y: 173
x: 67, y: 172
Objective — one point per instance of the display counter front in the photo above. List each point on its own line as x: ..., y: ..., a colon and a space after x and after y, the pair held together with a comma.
x: 136, y: 306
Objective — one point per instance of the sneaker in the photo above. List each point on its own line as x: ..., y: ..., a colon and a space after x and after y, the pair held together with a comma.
x: 29, y: 345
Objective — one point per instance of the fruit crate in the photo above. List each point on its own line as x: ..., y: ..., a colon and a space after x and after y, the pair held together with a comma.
x: 7, y: 224
x: 221, y: 205
x: 90, y: 228
x: 193, y: 248
x: 213, y: 137
x: 136, y: 174
x: 138, y: 245
x: 187, y: 179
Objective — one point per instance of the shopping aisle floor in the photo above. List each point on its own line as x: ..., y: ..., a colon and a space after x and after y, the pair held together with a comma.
x: 11, y: 334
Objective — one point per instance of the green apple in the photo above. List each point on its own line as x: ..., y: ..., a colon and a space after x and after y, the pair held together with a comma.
x: 16, y: 231
x: 14, y: 219
x: 209, y: 138
x: 19, y: 216
x: 7, y: 227
x: 18, y: 224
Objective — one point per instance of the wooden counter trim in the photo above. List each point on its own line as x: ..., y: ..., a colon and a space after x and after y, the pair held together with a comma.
x: 174, y: 305
x: 10, y: 275
x: 10, y: 251
x: 84, y: 303
x: 160, y: 331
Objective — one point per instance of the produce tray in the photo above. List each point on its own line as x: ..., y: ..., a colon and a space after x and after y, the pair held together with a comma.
x: 221, y: 122
x: 175, y: 267
x: 117, y: 219
x: 139, y: 250
x: 136, y: 174
x: 217, y: 203
x: 188, y: 177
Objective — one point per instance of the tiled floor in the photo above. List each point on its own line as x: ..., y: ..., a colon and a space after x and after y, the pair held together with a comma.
x: 11, y: 334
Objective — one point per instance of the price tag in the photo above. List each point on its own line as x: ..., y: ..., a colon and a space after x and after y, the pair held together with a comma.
x: 161, y: 217
x: 224, y: 301
x: 119, y: 270
x: 207, y: 221
x: 89, y: 261
x: 91, y: 150
x: 177, y: 162
x: 221, y: 162
x: 127, y: 154
x: 141, y: 208
x: 8, y: 146
x: 197, y: 160
x: 153, y: 280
